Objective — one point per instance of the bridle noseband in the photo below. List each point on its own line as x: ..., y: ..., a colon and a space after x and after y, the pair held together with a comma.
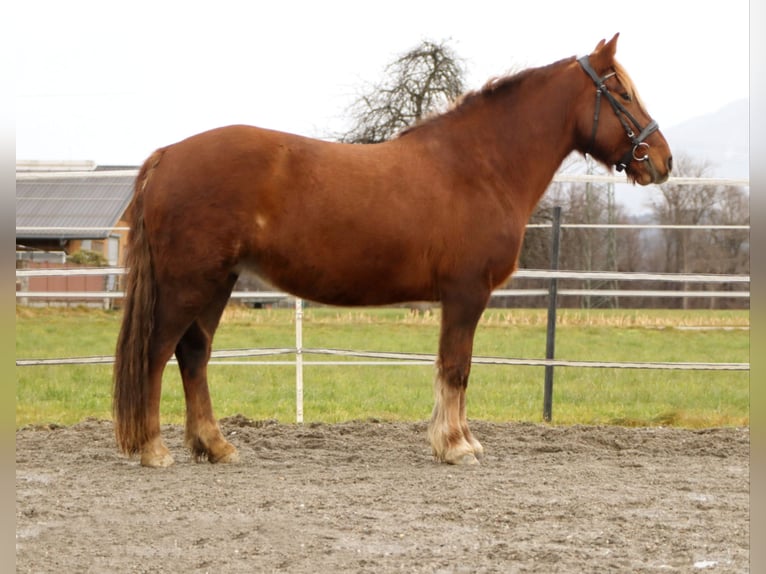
x: 621, y: 113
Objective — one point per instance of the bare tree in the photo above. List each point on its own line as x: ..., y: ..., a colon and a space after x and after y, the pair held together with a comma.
x: 416, y: 84
x: 696, y: 251
x: 731, y: 248
x: 684, y: 205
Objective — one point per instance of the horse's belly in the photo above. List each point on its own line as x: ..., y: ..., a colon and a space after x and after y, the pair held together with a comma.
x: 334, y: 282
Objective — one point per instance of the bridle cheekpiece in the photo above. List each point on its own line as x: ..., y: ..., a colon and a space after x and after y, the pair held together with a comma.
x: 622, y: 113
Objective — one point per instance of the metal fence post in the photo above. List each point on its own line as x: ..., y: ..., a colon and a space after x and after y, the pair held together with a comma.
x: 550, y: 339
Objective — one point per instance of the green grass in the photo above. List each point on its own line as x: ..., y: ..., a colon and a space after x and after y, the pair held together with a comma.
x: 68, y: 394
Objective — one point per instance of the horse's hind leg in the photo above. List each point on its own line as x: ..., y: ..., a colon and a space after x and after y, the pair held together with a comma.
x: 203, y: 435
x: 154, y: 453
x: 451, y: 439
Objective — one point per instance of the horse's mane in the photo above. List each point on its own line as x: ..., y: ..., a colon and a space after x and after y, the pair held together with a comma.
x: 503, y: 85
x: 499, y: 85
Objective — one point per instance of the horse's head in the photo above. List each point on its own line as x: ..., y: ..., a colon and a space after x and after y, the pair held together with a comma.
x: 620, y: 133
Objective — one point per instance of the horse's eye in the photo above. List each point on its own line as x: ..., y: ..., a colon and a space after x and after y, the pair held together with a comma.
x: 626, y: 96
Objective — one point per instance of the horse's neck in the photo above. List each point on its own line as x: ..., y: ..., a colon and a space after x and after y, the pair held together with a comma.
x: 521, y: 138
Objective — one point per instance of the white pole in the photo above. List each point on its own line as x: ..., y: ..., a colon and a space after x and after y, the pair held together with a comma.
x: 298, y: 360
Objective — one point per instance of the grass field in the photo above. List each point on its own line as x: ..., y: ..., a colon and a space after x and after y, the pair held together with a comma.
x: 70, y: 393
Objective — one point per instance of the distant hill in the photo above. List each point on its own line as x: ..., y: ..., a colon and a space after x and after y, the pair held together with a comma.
x: 721, y: 137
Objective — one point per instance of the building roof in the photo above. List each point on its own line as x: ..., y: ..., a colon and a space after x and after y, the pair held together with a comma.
x: 71, y: 205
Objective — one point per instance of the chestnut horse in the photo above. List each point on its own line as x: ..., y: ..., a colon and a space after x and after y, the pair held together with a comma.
x: 435, y: 214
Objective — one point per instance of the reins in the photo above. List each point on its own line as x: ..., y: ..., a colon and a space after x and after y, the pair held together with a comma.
x: 621, y: 112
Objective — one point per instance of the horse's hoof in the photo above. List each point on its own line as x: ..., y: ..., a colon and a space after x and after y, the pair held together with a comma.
x: 230, y: 456
x: 153, y: 460
x: 467, y: 460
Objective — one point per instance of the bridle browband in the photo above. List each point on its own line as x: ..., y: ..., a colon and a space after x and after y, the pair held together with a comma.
x: 621, y: 113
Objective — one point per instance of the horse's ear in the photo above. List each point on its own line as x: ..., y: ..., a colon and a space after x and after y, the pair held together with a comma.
x: 603, y: 56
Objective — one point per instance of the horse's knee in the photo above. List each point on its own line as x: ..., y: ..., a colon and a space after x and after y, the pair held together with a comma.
x: 454, y: 374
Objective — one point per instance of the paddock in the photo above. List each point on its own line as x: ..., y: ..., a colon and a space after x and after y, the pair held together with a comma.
x: 365, y: 496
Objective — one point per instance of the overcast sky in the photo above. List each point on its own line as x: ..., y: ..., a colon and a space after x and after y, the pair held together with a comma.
x: 112, y: 81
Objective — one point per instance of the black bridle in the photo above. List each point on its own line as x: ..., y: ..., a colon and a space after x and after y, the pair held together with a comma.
x: 622, y: 113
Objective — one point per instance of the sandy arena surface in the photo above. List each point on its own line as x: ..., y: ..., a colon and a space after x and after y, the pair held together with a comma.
x: 367, y: 497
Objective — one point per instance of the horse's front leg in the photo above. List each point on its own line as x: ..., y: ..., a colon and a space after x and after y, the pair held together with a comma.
x: 448, y: 431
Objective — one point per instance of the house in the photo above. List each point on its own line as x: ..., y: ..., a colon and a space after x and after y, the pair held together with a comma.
x: 77, y: 207
x: 66, y: 209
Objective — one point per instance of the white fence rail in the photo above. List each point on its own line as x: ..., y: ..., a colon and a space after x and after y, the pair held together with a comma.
x: 520, y: 274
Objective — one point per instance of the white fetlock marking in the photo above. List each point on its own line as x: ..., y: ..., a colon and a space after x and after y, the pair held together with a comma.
x: 446, y: 417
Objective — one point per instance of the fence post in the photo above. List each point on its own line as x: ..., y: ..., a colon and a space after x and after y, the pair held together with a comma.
x: 298, y: 360
x: 550, y: 338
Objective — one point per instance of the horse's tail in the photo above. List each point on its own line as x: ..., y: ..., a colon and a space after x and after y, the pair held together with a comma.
x: 131, y: 366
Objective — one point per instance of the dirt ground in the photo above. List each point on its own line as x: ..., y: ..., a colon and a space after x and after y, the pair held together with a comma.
x: 367, y: 497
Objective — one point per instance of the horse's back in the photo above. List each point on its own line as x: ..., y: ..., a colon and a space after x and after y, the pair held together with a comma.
x: 323, y: 220
x: 252, y: 161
